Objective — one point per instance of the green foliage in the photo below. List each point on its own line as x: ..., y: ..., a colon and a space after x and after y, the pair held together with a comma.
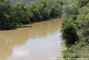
x: 70, y: 11
x: 81, y: 22
x: 77, y: 51
x: 69, y: 32
x: 5, y: 17
x: 56, y: 8
x: 63, y: 2
x: 20, y: 13
x: 82, y: 3
x: 44, y: 9
x: 38, y: 11
x: 2, y: 0
x: 14, y: 15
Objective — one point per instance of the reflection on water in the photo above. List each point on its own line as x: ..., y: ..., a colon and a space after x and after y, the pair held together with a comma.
x: 42, y: 41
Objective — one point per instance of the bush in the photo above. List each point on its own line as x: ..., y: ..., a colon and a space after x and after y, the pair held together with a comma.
x: 38, y: 11
x: 6, y: 21
x: 83, y: 23
x: 76, y: 51
x: 69, y: 32
x: 56, y: 8
x: 82, y: 3
x: 83, y: 26
x: 70, y: 11
x: 20, y: 13
x: 12, y: 15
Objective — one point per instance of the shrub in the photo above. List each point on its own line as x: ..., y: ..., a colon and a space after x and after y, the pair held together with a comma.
x: 20, y: 12
x: 38, y: 11
x: 6, y: 21
x: 69, y: 32
x: 83, y: 26
x: 56, y: 8
x: 76, y: 51
x: 70, y: 11
x: 82, y: 3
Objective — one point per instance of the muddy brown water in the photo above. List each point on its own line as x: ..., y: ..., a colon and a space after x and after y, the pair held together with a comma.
x: 38, y: 41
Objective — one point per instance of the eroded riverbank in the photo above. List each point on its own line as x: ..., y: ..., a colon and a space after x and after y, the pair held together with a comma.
x: 40, y: 41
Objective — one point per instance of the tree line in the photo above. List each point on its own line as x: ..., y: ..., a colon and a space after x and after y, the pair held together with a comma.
x: 13, y: 15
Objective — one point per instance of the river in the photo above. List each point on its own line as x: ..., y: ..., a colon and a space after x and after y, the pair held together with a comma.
x: 37, y: 41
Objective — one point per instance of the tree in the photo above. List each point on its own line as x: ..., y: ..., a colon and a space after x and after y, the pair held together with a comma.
x: 83, y: 23
x: 69, y: 32
x: 44, y: 9
x: 39, y: 11
x: 56, y: 8
x: 20, y: 12
x: 2, y: 0
x: 5, y: 18
x: 82, y: 3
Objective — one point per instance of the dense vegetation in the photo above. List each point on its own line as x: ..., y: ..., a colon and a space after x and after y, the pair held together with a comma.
x: 75, y: 28
x: 13, y: 15
x: 26, y: 1
x: 69, y: 32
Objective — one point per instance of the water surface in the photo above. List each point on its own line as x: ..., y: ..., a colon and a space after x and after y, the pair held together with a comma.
x: 38, y: 41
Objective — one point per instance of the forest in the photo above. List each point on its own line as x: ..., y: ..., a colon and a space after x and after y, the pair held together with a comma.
x: 15, y: 15
x: 75, y: 26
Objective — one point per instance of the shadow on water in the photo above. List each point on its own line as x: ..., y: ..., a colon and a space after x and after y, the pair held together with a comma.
x: 27, y: 26
x: 24, y: 26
